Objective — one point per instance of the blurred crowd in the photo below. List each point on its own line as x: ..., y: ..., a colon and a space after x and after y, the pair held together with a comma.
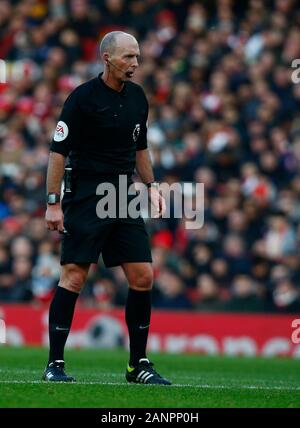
x: 224, y: 111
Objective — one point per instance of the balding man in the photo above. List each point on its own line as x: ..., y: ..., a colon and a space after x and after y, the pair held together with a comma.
x: 102, y: 131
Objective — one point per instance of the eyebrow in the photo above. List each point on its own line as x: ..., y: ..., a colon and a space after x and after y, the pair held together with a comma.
x: 131, y: 54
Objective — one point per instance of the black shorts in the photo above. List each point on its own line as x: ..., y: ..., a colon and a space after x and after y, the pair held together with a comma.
x: 119, y: 240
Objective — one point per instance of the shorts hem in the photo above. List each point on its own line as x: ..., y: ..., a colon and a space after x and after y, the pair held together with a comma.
x: 118, y: 263
x: 77, y: 262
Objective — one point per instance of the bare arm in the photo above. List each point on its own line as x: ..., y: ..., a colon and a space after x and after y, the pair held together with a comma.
x: 145, y: 171
x: 56, y: 166
x: 144, y: 166
x: 54, y: 216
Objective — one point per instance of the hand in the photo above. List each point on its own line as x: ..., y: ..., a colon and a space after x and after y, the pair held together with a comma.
x: 158, y: 202
x: 54, y: 218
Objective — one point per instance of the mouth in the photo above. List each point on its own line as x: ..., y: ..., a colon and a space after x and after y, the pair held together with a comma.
x: 129, y: 74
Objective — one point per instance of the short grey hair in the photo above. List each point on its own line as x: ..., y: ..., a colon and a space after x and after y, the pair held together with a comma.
x: 109, y: 41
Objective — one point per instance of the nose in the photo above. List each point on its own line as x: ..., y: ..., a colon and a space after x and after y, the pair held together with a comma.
x: 135, y: 62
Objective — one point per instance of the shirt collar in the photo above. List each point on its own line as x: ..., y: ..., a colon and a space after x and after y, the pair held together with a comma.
x: 123, y: 92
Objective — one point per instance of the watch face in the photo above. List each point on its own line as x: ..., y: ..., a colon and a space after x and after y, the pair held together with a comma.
x: 53, y: 198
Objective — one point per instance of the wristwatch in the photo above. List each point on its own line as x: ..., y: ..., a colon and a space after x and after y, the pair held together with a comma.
x: 53, y: 198
x: 152, y: 184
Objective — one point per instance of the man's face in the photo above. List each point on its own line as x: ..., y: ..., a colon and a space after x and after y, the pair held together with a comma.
x: 124, y: 59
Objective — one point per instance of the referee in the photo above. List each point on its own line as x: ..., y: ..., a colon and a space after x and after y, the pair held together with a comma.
x: 102, y: 131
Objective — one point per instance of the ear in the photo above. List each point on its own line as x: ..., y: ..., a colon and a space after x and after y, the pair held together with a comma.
x: 105, y: 57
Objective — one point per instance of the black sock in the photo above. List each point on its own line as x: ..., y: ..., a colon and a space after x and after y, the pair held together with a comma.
x: 137, y: 314
x: 60, y: 319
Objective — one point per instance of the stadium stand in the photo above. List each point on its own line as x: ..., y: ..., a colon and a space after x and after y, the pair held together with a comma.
x: 224, y: 111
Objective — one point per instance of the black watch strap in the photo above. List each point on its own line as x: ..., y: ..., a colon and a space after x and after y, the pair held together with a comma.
x: 53, y: 198
x: 152, y: 184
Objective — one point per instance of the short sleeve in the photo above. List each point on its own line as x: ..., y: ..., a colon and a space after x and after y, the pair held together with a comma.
x: 142, y: 140
x: 68, y: 126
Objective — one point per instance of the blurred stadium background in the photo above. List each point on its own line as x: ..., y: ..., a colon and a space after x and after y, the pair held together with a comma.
x: 224, y: 111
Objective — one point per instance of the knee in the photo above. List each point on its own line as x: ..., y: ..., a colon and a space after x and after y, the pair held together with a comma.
x: 142, y: 281
x: 73, y: 279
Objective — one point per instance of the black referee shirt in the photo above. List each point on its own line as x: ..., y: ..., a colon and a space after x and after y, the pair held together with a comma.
x: 100, y: 129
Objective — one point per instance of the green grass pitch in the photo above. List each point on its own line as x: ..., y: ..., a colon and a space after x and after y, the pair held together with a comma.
x: 198, y: 381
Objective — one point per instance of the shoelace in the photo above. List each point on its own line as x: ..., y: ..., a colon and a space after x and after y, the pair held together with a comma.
x: 58, y: 366
x: 149, y: 367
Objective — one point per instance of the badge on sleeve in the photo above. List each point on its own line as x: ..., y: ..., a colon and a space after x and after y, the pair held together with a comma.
x: 61, y: 131
x: 136, y: 132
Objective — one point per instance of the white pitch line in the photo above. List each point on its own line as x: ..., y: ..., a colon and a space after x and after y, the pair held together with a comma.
x: 36, y: 373
x: 201, y: 386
